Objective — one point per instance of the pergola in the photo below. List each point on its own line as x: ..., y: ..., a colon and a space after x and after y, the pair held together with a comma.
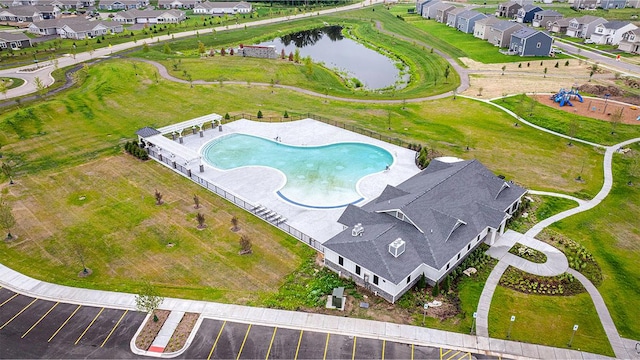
x: 200, y: 122
x: 178, y: 153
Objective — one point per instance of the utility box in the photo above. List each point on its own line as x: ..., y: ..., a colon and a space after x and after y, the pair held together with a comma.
x: 337, y: 297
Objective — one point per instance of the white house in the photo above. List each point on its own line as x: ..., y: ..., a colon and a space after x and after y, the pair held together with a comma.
x: 177, y: 4
x: 29, y: 13
x: 426, y: 225
x: 214, y: 8
x: 630, y: 41
x: 123, y: 4
x: 149, y: 16
x: 75, y: 28
x: 611, y: 33
x: 584, y: 26
x: 481, y: 30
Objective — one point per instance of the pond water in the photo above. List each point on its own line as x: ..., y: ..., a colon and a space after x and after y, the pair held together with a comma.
x: 329, y: 46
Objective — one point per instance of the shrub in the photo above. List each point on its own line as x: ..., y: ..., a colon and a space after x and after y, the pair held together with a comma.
x: 259, y: 114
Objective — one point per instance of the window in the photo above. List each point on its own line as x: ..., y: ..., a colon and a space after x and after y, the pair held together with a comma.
x: 340, y: 261
x: 468, y: 247
x: 409, y: 279
x: 458, y: 256
x: 357, y: 270
x: 375, y: 279
x: 538, y: 45
x: 447, y: 266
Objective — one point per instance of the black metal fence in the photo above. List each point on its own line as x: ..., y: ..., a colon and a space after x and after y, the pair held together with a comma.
x: 235, y: 200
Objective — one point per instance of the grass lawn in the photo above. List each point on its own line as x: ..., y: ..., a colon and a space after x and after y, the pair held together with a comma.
x: 553, y: 205
x: 611, y: 233
x: 541, y: 208
x: 11, y: 83
x: 585, y: 128
x: 548, y: 320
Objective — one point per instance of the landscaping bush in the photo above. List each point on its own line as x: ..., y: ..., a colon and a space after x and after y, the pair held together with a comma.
x: 132, y: 148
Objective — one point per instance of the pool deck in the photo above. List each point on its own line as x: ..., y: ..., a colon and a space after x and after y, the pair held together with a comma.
x: 258, y: 185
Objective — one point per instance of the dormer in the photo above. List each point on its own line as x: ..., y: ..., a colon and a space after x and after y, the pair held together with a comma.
x: 457, y: 225
x: 505, y: 185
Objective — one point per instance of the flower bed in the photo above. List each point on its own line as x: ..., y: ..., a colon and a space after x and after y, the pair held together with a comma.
x: 182, y: 332
x: 528, y: 253
x: 151, y: 328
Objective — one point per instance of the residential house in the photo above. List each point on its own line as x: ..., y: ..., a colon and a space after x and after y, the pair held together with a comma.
x: 545, y: 17
x: 177, y: 4
x: 135, y: 16
x: 559, y: 26
x: 482, y: 27
x: 429, y: 9
x: 584, y: 26
x: 524, y: 2
x: 29, y: 13
x: 500, y: 32
x: 530, y: 42
x: 584, y: 4
x: 633, y: 3
x: 453, y: 14
x: 613, y: 4
x: 525, y: 14
x: 14, y: 41
x: 219, y: 8
x: 466, y: 20
x: 630, y: 41
x: 508, y: 9
x: 427, y: 226
x: 123, y: 4
x: 420, y: 4
x: 442, y: 11
x: 70, y: 4
x: 75, y: 28
x: 610, y: 33
x: 44, y: 27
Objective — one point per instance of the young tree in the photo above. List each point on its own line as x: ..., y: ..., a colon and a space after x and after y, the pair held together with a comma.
x: 166, y: 48
x: 40, y: 87
x: 245, y: 245
x: 447, y: 72
x: 79, y: 250
x: 201, y: 48
x: 504, y: 67
x: 148, y: 299
x: 282, y: 54
x: 7, y: 170
x: 4, y: 88
x: 200, y: 219
x: 308, y: 65
x: 290, y: 56
x: 259, y: 114
x: 572, y: 130
x: 7, y: 220
x: 545, y: 72
x: 296, y: 56
x: 223, y: 52
x: 196, y: 201
x: 234, y: 223
x: 436, y: 290
x: 158, y: 197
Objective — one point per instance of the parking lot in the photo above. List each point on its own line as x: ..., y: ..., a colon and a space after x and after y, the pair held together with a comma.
x: 37, y: 328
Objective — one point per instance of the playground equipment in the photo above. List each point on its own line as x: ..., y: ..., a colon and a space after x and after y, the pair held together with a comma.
x: 564, y: 97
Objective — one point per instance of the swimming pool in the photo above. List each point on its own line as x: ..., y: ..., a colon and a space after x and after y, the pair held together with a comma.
x: 317, y: 177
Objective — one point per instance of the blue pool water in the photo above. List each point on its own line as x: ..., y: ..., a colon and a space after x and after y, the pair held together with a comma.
x: 319, y: 176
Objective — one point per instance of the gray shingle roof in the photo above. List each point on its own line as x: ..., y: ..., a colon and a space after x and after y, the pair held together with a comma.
x: 525, y: 32
x: 445, y: 206
x: 615, y: 25
x: 503, y: 25
x: 13, y: 36
x: 548, y: 13
x: 146, y: 132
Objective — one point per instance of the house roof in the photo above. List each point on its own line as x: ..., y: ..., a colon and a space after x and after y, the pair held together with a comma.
x: 508, y: 4
x: 146, y: 132
x: 489, y: 20
x: 586, y: 19
x: 23, y: 10
x: 529, y: 7
x: 111, y: 2
x: 6, y: 36
x: 169, y: 2
x: 137, y: 13
x: 470, y: 14
x: 224, y: 4
x: 444, y: 7
x: 615, y: 25
x: 562, y: 22
x: 457, y: 11
x: 528, y: 32
x: 503, y: 25
x: 547, y: 13
x: 445, y: 206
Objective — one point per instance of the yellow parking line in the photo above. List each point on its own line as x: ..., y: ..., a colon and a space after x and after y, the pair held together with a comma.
x: 412, y: 346
x: 64, y: 323
x: 85, y: 330
x: 443, y: 354
x: 217, y: 338
x: 243, y: 341
x: 16, y: 315
x: 465, y: 355
x: 326, y: 346
x: 9, y: 299
x: 454, y: 354
x: 38, y: 322
x: 114, y: 328
x: 298, y: 348
x: 353, y: 354
x: 271, y: 343
x: 384, y: 343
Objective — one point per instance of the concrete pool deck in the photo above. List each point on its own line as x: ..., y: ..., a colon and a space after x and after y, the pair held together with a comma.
x: 258, y: 185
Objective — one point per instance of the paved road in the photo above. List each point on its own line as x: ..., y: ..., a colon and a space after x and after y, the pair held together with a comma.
x: 625, y: 68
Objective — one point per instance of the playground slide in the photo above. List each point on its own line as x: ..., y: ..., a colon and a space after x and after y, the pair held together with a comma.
x: 579, y: 97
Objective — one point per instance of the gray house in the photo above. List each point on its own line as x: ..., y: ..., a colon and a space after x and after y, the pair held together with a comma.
x: 441, y: 10
x: 584, y: 26
x: 500, y: 32
x: 420, y: 4
x: 525, y: 14
x: 452, y: 16
x: 123, y: 4
x: 466, y: 20
x: 530, y: 42
x: 613, y: 4
x: 426, y: 225
x: 545, y: 17
x: 508, y: 9
x: 559, y: 26
x: 14, y: 41
x: 430, y: 9
x: 483, y: 26
x: 584, y: 4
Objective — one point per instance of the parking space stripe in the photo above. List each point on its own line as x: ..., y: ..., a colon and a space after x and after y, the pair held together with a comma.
x: 271, y: 343
x: 9, y: 299
x: 412, y: 346
x: 217, y: 338
x: 114, y: 328
x: 16, y: 315
x: 85, y: 330
x: 454, y: 354
x: 384, y: 344
x: 326, y: 346
x: 64, y: 323
x: 38, y: 322
x: 465, y: 355
x: 298, y: 348
x: 353, y: 353
x: 243, y: 342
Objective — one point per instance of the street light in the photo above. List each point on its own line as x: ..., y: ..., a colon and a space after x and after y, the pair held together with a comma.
x: 513, y: 318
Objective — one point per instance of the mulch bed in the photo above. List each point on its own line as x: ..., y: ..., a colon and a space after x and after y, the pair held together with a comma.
x: 151, y: 329
x: 182, y: 332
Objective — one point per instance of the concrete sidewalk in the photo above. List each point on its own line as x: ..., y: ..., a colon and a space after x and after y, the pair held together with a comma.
x: 15, y: 281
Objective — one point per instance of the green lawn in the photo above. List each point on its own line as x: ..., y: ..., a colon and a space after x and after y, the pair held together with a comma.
x: 553, y: 205
x: 548, y: 320
x: 611, y: 233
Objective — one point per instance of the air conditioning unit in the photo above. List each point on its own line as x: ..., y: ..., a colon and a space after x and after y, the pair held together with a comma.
x: 357, y: 230
x: 396, y: 248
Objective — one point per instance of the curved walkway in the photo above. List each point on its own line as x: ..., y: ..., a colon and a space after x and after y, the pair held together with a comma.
x: 556, y: 261
x: 554, y: 194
